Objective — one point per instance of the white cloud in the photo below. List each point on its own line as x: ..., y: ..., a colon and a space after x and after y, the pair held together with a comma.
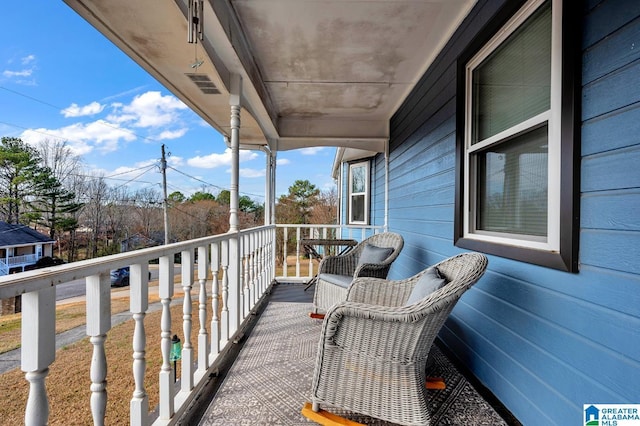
x: 311, y: 150
x: 81, y: 136
x: 172, y: 134
x: 214, y: 160
x: 28, y: 59
x: 24, y: 75
x: 77, y: 111
x: 282, y: 161
x: 251, y: 173
x: 175, y: 161
x: 149, y: 109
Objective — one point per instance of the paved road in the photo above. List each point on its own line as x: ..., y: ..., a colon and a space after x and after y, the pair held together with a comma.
x: 78, y: 288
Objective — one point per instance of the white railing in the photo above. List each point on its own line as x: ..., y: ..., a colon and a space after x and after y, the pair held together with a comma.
x: 237, y: 268
x: 26, y: 259
x: 293, y: 251
x: 4, y: 268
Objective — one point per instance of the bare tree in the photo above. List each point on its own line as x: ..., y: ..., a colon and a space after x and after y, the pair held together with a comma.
x: 94, y: 211
x: 148, y: 212
x: 117, y: 216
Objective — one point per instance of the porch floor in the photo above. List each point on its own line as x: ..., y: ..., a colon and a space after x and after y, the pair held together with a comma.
x: 270, y: 379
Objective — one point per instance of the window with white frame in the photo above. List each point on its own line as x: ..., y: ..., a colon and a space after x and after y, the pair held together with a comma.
x: 515, y: 138
x: 359, y: 193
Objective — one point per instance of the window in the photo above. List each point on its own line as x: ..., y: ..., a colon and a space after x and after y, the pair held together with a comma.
x: 517, y: 140
x: 359, y: 193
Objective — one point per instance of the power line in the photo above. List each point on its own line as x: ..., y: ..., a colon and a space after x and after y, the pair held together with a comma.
x: 211, y: 184
x: 59, y: 108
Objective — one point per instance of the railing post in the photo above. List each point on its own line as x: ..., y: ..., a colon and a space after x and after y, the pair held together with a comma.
x: 139, y: 303
x: 235, y: 282
x: 165, y: 289
x: 297, y: 251
x: 261, y: 262
x: 203, y: 335
x: 285, y: 265
x: 186, y: 364
x: 98, y: 297
x: 38, y: 350
x: 310, y: 273
x: 254, y: 267
x: 246, y: 262
x: 215, y: 322
x: 224, y: 314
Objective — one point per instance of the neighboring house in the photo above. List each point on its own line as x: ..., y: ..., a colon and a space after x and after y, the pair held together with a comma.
x: 21, y: 246
x: 521, y: 141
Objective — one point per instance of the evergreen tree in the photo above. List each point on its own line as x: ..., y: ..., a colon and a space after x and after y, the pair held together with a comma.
x: 54, y: 205
x: 19, y: 166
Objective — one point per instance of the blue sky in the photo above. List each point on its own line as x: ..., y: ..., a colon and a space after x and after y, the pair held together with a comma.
x: 61, y: 79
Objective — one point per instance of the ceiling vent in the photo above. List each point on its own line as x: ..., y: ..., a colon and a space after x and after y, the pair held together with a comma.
x: 204, y: 83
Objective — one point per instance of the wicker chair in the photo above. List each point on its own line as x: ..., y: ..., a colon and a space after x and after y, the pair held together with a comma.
x: 335, y: 273
x: 373, y: 348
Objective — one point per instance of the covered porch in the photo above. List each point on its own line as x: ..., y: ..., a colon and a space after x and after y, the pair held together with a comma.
x: 254, y: 350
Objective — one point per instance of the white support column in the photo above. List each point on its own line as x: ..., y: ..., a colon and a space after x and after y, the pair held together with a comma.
x: 234, y: 271
x: 98, y: 291
x: 234, y: 103
x: 38, y: 350
x: 386, y: 186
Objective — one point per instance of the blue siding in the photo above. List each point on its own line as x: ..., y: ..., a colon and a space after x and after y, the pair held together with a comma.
x: 543, y: 341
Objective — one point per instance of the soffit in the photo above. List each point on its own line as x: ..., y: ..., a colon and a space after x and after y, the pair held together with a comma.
x: 314, y: 72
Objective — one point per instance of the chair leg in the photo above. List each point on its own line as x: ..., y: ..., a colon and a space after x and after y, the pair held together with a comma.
x: 435, y: 383
x: 325, y: 418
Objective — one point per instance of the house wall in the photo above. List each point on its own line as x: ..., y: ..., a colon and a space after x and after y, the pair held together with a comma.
x: 544, y: 342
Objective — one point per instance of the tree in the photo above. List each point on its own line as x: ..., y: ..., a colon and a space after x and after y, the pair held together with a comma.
x: 176, y: 197
x: 148, y: 203
x: 297, y: 205
x: 57, y: 201
x: 53, y: 206
x: 295, y: 208
x: 200, y: 196
x: 97, y: 191
x: 19, y: 164
x: 326, y: 208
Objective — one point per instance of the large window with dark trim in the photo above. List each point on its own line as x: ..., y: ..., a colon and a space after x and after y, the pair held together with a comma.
x: 517, y: 140
x: 359, y: 193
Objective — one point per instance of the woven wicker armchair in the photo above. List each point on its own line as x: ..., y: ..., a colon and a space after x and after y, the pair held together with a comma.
x: 373, y: 349
x: 336, y: 273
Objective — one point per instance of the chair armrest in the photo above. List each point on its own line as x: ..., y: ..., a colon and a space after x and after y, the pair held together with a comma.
x: 378, y: 291
x: 366, y: 329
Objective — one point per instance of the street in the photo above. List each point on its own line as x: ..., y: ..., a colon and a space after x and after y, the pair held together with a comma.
x: 78, y: 288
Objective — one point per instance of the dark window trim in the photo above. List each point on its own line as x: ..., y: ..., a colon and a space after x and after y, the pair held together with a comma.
x: 567, y: 258
x: 368, y: 196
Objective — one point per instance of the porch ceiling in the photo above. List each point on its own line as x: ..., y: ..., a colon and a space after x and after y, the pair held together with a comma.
x: 314, y: 72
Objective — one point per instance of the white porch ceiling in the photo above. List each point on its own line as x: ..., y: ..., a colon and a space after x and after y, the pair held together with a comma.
x: 314, y: 72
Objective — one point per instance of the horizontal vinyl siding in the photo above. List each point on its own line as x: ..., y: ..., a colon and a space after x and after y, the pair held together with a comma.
x: 543, y: 341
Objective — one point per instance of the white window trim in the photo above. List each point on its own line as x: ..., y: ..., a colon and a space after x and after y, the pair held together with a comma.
x: 366, y: 192
x: 552, y: 241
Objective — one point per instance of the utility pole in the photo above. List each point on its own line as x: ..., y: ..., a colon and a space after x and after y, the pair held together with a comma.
x: 163, y: 167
